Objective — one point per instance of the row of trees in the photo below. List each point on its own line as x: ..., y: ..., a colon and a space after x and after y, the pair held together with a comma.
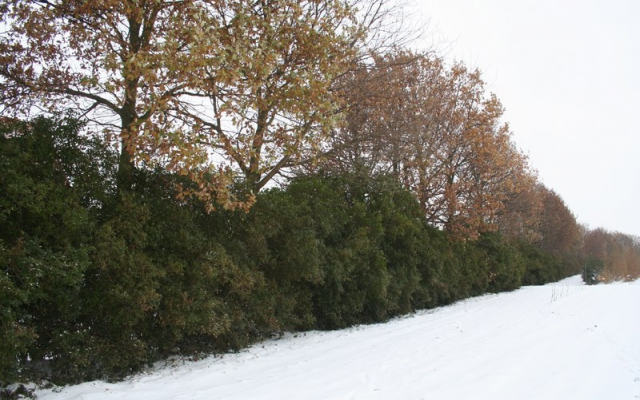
x: 251, y: 82
x: 236, y: 90
x: 97, y: 283
x: 140, y: 225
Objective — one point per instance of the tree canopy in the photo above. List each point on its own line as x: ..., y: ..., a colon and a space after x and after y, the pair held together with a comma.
x: 435, y: 128
x: 175, y: 81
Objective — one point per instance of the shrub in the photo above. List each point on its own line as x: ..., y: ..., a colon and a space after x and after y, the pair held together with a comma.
x: 591, y: 271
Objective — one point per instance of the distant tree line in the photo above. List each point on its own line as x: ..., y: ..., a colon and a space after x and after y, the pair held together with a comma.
x: 610, y: 256
x: 187, y: 178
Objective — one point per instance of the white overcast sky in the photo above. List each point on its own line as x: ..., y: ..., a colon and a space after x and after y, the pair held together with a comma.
x: 568, y: 74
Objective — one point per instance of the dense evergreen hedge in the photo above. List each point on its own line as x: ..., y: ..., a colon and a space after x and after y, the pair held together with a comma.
x: 98, y: 283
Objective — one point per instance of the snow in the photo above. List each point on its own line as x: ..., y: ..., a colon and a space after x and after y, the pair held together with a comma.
x: 559, y: 341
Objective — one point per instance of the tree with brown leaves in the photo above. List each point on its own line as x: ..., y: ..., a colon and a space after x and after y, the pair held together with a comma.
x: 280, y: 104
x: 559, y: 230
x: 205, y: 88
x: 434, y: 127
x: 120, y: 62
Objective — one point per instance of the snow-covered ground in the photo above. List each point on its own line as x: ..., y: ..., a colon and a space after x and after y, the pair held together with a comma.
x: 559, y: 341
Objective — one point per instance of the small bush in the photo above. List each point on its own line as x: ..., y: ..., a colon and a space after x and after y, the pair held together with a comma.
x: 592, y: 270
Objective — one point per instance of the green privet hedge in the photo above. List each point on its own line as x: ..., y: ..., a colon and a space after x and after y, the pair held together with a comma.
x: 45, y: 215
x: 97, y: 282
x: 330, y: 255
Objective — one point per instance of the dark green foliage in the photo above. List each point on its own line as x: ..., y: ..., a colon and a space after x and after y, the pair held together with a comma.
x: 542, y: 267
x: 15, y: 335
x: 331, y: 253
x: 123, y: 282
x: 505, y: 264
x: 99, y: 283
x: 17, y: 392
x: 591, y: 271
x: 44, y: 241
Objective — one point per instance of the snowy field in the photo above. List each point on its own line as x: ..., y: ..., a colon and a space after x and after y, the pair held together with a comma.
x: 559, y: 341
